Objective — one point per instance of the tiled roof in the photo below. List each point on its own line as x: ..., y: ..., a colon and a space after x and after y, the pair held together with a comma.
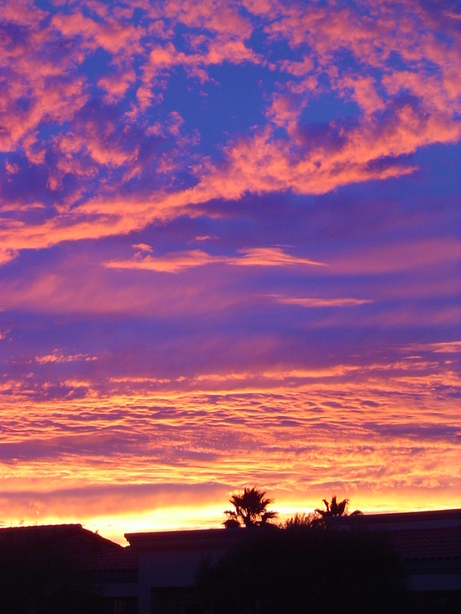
x: 418, y: 536
x: 121, y: 559
x: 428, y: 544
x: 72, y: 543
x: 14, y: 538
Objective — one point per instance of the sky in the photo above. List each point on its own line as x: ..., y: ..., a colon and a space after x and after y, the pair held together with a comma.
x: 230, y: 256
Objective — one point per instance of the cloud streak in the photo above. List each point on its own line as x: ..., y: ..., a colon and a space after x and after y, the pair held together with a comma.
x: 321, y: 302
x: 176, y: 262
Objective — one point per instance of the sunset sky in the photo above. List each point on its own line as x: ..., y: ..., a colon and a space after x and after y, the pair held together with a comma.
x: 230, y: 255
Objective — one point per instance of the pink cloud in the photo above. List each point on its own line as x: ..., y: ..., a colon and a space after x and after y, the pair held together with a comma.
x: 270, y: 256
x: 116, y: 85
x: 111, y: 34
x: 368, y: 149
x: 33, y: 73
x: 81, y: 287
x: 178, y: 261
x: 172, y: 263
x: 363, y: 91
x: 443, y: 347
x: 217, y: 16
x: 405, y: 29
x: 57, y: 104
x: 58, y: 356
x: 6, y: 255
x: 438, y: 93
x: 263, y: 164
x: 23, y: 13
x: 284, y: 112
x: 298, y: 69
x: 163, y: 59
x: 98, y: 142
x: 398, y: 257
x: 321, y: 302
x: 449, y: 347
x: 258, y: 164
x: 143, y: 247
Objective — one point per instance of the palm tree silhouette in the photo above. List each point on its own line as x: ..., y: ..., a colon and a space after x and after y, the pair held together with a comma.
x: 250, y: 509
x: 335, y: 508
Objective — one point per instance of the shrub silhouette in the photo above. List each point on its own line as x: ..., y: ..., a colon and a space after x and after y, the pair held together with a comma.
x: 304, y: 567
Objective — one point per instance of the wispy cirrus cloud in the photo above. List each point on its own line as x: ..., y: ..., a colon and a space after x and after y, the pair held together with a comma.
x: 447, y: 347
x: 398, y: 257
x: 59, y: 356
x: 7, y: 254
x: 320, y: 302
x: 176, y: 262
x: 172, y: 263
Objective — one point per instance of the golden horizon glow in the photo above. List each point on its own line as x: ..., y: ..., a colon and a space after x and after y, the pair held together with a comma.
x: 114, y: 527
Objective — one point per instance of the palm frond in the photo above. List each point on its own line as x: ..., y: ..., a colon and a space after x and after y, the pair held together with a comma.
x: 341, y: 507
x: 250, y: 506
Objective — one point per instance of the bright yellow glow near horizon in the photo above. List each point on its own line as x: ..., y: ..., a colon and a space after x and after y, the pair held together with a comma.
x: 114, y: 527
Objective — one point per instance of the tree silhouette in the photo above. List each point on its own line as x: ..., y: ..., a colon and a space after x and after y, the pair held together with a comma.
x: 305, y: 567
x: 250, y: 509
x: 335, y: 508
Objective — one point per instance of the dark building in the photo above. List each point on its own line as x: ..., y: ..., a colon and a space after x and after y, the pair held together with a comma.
x: 428, y: 542
x: 65, y: 568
